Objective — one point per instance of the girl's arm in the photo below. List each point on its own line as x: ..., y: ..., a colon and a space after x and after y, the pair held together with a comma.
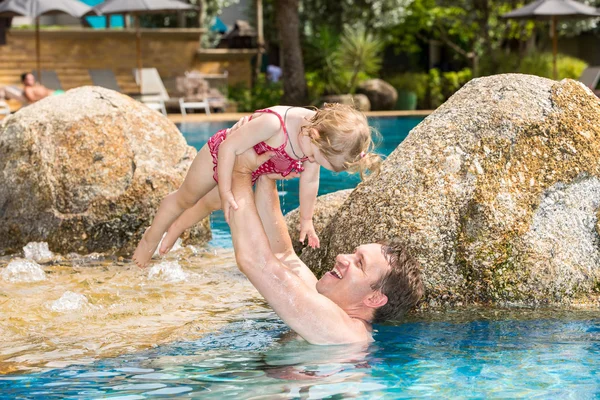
x: 309, y: 188
x: 239, y: 140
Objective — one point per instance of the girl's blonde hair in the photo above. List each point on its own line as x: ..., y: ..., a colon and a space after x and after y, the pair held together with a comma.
x: 343, y: 130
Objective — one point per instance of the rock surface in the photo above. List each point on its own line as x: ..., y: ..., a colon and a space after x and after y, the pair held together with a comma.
x: 85, y: 172
x: 497, y: 193
x: 382, y: 95
x: 358, y: 101
x: 325, y: 208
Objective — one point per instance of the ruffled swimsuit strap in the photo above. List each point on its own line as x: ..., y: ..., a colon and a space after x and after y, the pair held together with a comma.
x: 287, y: 136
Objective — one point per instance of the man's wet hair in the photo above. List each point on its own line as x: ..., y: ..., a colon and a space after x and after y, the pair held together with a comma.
x: 402, y: 284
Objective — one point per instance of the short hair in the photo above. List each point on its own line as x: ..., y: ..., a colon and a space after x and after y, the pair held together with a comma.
x: 344, y: 130
x: 24, y: 75
x: 402, y: 284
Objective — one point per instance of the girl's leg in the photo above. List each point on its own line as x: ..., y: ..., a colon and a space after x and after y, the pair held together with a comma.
x: 197, y: 183
x: 190, y: 217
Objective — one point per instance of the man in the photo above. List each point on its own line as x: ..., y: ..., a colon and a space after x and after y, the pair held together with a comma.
x: 377, y: 282
x: 33, y: 90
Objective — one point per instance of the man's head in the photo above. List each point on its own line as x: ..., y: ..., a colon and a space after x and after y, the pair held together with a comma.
x: 28, y: 79
x: 378, y: 282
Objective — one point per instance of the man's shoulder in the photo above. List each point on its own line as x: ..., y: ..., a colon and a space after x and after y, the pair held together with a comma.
x: 362, y: 329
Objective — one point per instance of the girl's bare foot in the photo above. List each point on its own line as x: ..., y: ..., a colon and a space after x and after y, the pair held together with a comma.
x: 144, y: 251
x: 170, y: 238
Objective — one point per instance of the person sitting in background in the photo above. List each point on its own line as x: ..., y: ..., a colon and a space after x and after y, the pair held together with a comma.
x: 274, y: 73
x: 33, y: 90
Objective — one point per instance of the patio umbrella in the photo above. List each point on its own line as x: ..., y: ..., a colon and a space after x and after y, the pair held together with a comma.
x: 553, y: 10
x: 137, y: 7
x: 36, y: 8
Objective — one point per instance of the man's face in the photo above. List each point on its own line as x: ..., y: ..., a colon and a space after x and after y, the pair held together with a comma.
x: 29, y: 80
x: 350, y: 281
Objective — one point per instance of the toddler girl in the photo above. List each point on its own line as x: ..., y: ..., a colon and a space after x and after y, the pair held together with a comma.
x: 337, y: 137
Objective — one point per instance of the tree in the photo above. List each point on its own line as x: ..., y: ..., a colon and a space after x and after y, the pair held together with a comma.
x: 474, y: 29
x: 376, y: 14
x: 288, y: 24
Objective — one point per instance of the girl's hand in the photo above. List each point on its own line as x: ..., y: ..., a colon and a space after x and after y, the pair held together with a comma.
x: 307, y: 229
x: 240, y: 123
x: 228, y: 202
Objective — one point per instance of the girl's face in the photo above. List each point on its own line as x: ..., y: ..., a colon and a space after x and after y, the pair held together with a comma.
x: 315, y: 156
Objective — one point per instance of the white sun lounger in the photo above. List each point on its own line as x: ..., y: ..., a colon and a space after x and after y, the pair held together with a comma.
x: 153, y: 91
x: 590, y: 77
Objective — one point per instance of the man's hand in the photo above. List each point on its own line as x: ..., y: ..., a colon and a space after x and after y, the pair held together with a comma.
x: 248, y: 161
x: 245, y: 164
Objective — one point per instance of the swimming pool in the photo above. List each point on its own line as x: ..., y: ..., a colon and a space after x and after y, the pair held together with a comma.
x: 393, y: 131
x: 485, y: 354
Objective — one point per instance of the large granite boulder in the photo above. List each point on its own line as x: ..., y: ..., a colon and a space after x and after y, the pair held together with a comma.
x: 85, y: 172
x: 325, y: 208
x: 382, y: 95
x: 497, y: 193
x: 358, y: 101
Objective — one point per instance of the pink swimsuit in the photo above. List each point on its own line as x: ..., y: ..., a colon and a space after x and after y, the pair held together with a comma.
x: 281, y: 163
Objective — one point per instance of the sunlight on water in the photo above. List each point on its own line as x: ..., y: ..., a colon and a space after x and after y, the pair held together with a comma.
x: 80, y: 308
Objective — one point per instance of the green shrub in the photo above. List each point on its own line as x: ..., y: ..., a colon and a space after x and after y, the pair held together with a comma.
x: 417, y: 82
x: 540, y: 64
x: 453, y: 81
x: 432, y: 88
x: 436, y: 95
x: 264, y: 94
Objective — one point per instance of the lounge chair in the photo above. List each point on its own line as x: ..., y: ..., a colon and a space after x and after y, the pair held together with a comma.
x: 590, y: 78
x: 104, y: 78
x: 195, y: 91
x: 4, y: 108
x: 152, y: 91
x: 49, y: 79
x: 15, y: 94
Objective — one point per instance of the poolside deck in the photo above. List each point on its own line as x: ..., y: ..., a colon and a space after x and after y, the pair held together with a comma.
x: 218, y: 117
x: 215, y: 117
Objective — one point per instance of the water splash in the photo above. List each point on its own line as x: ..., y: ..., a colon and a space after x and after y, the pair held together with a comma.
x: 69, y: 301
x: 127, y: 312
x: 38, y: 252
x: 22, y: 270
x: 168, y: 271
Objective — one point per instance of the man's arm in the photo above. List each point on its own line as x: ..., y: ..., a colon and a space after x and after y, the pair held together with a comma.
x: 313, y: 316
x: 269, y: 210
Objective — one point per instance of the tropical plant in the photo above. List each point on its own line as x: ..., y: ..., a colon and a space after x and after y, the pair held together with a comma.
x: 361, y: 52
x: 341, y: 62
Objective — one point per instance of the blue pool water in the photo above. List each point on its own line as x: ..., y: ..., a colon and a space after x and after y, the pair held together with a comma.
x: 393, y: 131
x: 471, y: 356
